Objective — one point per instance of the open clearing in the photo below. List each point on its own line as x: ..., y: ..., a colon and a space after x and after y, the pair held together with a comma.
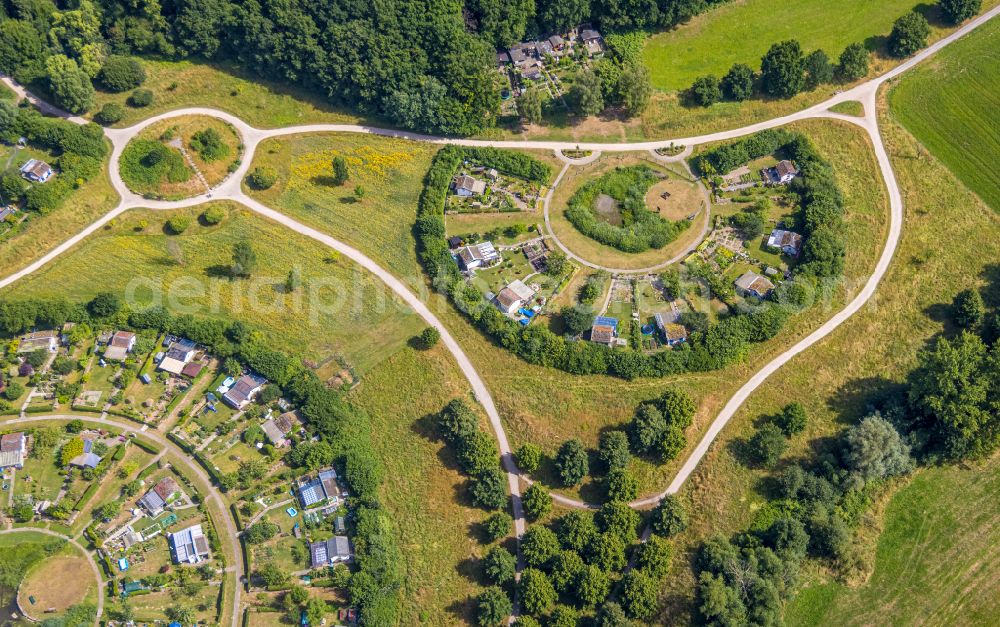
x: 390, y: 171
x: 742, y: 31
x: 339, y: 310
x: 424, y: 492
x: 835, y: 379
x: 178, y: 84
x: 950, y: 104
x: 56, y: 584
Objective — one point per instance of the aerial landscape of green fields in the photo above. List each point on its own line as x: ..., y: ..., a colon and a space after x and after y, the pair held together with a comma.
x: 550, y: 312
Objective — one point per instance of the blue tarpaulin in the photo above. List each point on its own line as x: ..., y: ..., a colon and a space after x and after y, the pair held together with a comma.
x: 526, y: 312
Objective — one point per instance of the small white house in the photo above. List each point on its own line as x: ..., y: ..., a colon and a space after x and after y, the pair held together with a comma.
x: 37, y: 171
x: 788, y: 242
x: 478, y: 255
x: 514, y: 296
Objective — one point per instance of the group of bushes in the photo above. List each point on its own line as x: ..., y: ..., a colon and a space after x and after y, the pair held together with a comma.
x: 816, y: 503
x: 786, y: 70
x: 476, y: 454
x: 820, y: 216
x: 80, y: 152
x: 641, y: 229
x: 147, y: 163
x: 721, y: 344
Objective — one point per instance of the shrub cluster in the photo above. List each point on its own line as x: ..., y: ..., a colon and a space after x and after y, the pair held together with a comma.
x: 476, y: 453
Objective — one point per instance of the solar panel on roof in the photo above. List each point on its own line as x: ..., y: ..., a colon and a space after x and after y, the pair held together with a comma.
x: 604, y: 321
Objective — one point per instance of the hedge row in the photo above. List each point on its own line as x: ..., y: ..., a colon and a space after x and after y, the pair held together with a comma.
x: 149, y: 448
x: 723, y: 343
x: 89, y: 492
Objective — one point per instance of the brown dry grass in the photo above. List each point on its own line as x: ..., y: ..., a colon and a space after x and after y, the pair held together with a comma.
x: 57, y: 583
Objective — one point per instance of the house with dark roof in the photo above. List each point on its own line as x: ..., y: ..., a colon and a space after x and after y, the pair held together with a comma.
x: 189, y: 546
x: 36, y: 170
x: 120, y: 345
x: 781, y: 173
x: 788, y: 242
x: 557, y: 42
x: 163, y: 493
x: 593, y: 41
x: 277, y: 429
x: 336, y: 550
x: 244, y: 391
x: 320, y: 490
x: 753, y: 284
x: 13, y: 450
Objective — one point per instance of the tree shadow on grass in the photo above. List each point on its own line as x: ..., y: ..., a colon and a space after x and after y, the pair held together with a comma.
x: 991, y: 291
x: 861, y: 396
x: 219, y: 271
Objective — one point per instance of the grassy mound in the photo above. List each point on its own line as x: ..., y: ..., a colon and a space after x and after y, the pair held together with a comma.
x: 630, y: 227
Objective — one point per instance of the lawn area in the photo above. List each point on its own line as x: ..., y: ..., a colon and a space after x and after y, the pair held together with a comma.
x: 546, y: 406
x: 685, y: 200
x: 834, y: 380
x: 391, y: 171
x: 40, y: 476
x: 38, y: 234
x: 929, y: 565
x: 466, y: 223
x: 213, y: 146
x: 22, y: 551
x: 950, y: 103
x: 76, y: 582
x: 264, y: 104
x: 423, y: 491
x: 338, y: 311
x: 741, y: 32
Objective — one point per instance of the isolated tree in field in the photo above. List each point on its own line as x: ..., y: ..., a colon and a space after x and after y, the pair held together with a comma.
x: 538, y: 545
x: 244, y: 259
x: 537, y: 594
x: 492, y: 607
x: 767, y: 445
x: 529, y: 105
x: 489, y: 489
x: 819, y: 70
x: 647, y: 428
x: 853, y: 62
x: 177, y: 224
x: 499, y: 565
x: 497, y: 525
x: 874, y: 450
x: 294, y: 279
x: 909, y: 34
x: 140, y: 98
x: 949, y: 392
x: 969, y: 309
x: 537, y: 502
x: 571, y: 462
x: 587, y: 94
x: 792, y: 419
x: 109, y: 114
x: 957, y: 11
x: 262, y: 177
x: 122, y: 73
x: 429, y: 337
x: 556, y: 264
x: 209, y: 145
x: 70, y: 85
x: 340, y: 172
x: 213, y: 215
x: 737, y: 84
x: 528, y: 456
x: 578, y: 318
x: 705, y: 91
x: 13, y: 391
x: 782, y: 69
x: 669, y: 518
x: 613, y: 450
x: 635, y: 88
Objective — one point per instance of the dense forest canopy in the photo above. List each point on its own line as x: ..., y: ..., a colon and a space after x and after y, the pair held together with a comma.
x: 423, y: 64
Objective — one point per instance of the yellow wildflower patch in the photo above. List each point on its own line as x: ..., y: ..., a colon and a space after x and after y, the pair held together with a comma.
x: 363, y: 160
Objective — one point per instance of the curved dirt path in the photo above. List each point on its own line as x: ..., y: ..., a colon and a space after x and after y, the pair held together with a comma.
x: 90, y: 560
x: 231, y: 532
x: 231, y: 190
